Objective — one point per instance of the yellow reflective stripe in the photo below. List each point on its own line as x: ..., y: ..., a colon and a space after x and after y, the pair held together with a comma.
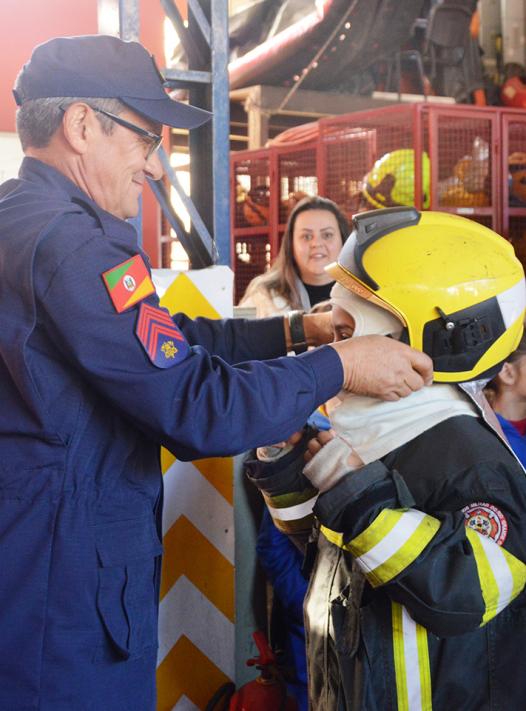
x: 399, y: 658
x: 502, y: 576
x: 399, y: 548
x: 292, y: 513
x: 424, y: 666
x: 407, y: 553
x: 334, y: 537
x: 365, y: 538
x: 382, y: 525
x: 390, y: 544
x: 411, y: 661
x: 291, y: 498
x: 488, y: 584
x: 518, y: 572
x: 300, y: 525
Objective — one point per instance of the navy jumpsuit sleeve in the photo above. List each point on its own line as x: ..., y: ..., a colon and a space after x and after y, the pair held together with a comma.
x: 201, y: 405
x: 235, y: 340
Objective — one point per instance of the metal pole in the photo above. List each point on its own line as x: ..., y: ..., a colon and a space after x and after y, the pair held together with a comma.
x: 220, y: 131
x: 129, y: 30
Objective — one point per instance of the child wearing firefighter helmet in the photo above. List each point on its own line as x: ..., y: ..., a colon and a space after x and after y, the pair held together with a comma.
x: 506, y: 394
x: 416, y: 598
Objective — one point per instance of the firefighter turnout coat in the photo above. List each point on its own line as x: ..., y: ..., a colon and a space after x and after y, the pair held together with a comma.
x: 416, y: 599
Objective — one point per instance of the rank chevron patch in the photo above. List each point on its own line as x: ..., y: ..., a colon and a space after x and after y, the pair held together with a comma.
x: 159, y: 336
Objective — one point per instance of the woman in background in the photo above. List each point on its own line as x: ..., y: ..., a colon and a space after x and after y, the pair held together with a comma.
x: 315, y: 232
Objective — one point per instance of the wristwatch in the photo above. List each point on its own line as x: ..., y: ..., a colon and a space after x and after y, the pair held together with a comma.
x: 297, y: 332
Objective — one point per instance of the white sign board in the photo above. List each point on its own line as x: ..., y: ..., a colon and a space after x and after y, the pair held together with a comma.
x: 10, y: 155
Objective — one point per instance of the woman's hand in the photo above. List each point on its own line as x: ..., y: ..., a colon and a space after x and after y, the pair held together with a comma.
x: 318, y: 328
x: 316, y: 443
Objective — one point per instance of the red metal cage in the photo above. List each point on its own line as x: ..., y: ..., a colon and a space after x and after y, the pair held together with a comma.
x: 466, y: 160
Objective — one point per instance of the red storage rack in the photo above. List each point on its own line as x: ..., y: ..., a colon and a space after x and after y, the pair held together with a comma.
x: 352, y: 143
x: 441, y: 158
x: 266, y: 184
x: 464, y: 159
x: 297, y: 176
x: 251, y: 217
x: 453, y: 158
x: 513, y: 171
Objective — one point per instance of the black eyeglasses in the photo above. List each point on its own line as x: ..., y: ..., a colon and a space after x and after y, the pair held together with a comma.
x: 153, y: 140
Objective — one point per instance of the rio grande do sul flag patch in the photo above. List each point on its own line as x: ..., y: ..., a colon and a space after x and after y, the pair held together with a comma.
x: 161, y: 339
x: 128, y: 283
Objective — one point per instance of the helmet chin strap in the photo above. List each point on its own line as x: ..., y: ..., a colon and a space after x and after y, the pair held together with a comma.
x: 404, y: 336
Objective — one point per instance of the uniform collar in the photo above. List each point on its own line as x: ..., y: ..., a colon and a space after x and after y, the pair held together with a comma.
x: 35, y: 171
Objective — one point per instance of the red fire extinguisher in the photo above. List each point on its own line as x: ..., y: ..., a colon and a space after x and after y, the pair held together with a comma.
x: 266, y: 693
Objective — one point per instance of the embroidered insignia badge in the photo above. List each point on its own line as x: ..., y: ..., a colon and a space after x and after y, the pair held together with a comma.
x: 487, y: 519
x: 128, y: 283
x: 161, y: 339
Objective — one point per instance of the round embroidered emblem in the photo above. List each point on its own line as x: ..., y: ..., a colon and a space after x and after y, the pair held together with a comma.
x: 487, y: 520
x: 129, y: 282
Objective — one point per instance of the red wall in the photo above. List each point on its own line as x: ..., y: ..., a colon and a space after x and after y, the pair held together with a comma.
x: 26, y: 23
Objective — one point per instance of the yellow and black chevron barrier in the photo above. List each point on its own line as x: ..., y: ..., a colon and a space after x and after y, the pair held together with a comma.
x: 196, y: 616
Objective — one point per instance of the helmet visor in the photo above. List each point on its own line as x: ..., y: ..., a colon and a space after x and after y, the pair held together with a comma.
x: 349, y: 281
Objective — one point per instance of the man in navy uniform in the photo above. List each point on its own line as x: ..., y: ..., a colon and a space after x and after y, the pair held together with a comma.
x: 94, y: 376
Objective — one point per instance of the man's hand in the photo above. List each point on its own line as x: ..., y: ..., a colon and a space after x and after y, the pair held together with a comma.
x: 381, y: 367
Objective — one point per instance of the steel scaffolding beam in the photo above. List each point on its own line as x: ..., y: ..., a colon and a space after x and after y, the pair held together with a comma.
x: 204, y: 39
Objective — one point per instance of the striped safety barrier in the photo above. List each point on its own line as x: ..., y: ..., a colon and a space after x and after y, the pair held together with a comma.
x: 196, y: 615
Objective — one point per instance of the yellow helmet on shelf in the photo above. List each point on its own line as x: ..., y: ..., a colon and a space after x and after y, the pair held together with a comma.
x: 456, y: 286
x: 391, y: 180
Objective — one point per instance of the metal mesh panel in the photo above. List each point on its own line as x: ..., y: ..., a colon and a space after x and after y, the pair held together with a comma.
x: 517, y: 236
x: 252, y: 257
x: 517, y: 164
x: 348, y: 161
x: 369, y: 159
x: 297, y: 178
x: 464, y: 162
x: 252, y: 191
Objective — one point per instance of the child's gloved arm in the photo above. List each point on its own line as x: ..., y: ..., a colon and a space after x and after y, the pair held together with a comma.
x: 288, y: 494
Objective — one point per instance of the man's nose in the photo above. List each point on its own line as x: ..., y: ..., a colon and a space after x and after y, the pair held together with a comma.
x: 154, y: 168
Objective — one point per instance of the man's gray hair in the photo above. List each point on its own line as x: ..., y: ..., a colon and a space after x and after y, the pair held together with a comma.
x: 38, y: 119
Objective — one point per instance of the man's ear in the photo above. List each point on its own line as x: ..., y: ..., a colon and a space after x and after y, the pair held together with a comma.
x: 78, y: 126
x: 508, y: 375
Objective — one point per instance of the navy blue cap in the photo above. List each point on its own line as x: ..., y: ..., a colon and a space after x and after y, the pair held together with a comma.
x: 102, y: 66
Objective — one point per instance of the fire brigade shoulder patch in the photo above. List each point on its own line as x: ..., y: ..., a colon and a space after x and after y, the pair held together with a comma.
x: 163, y: 342
x: 487, y: 520
x: 128, y: 283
